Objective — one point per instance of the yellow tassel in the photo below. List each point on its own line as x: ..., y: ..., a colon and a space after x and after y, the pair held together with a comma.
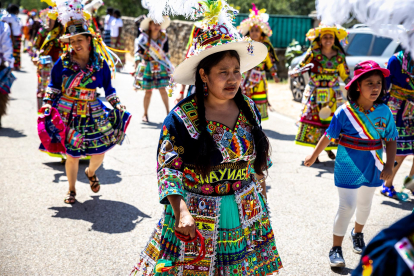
x: 158, y: 267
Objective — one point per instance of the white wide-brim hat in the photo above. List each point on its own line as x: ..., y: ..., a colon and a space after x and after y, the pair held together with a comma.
x: 186, y: 71
x: 145, y: 23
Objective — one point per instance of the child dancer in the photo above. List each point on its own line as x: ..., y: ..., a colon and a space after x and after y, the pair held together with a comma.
x: 359, y: 127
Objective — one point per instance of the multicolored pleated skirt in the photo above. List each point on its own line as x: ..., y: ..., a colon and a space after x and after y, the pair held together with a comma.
x: 238, y: 236
x: 17, y: 50
x: 401, y: 103
x: 151, y: 75
x: 91, y: 130
x: 119, y: 46
x: 316, y: 101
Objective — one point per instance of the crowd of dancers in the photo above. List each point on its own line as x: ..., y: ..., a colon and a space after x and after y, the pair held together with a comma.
x: 213, y: 156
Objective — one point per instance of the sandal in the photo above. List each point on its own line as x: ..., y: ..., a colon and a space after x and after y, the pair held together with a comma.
x: 331, y: 154
x: 93, y: 181
x: 70, y: 197
x: 391, y: 193
x: 145, y: 119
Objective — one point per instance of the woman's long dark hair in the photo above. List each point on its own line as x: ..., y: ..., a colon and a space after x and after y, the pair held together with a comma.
x: 92, y: 52
x: 206, y: 144
x: 353, y: 93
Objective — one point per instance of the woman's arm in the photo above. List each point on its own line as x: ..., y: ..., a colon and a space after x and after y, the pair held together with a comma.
x: 391, y: 150
x: 184, y: 221
x: 323, y: 143
x: 262, y: 181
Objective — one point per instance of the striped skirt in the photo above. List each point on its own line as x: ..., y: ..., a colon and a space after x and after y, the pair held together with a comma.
x: 151, y: 75
x: 107, y: 37
x: 119, y: 46
x: 16, y: 50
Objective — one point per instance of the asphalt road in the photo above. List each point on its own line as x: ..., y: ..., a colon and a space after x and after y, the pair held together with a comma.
x: 103, y: 234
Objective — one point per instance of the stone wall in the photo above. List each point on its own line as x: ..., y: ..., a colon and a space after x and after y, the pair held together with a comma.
x: 178, y: 33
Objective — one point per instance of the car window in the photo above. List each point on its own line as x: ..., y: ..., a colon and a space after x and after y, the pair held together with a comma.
x: 380, y: 43
x: 359, y: 45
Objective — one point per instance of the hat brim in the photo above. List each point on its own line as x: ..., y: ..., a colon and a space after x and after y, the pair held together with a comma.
x: 384, y: 71
x: 340, y: 33
x: 65, y: 38
x: 185, y: 72
x: 145, y: 23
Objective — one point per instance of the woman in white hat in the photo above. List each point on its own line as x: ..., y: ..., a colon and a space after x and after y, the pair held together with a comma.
x: 154, y: 68
x: 91, y: 128
x: 212, y: 158
x: 322, y: 96
x: 255, y: 84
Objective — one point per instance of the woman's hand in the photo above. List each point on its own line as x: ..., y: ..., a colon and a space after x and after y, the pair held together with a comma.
x: 120, y: 107
x: 386, y: 172
x: 309, y: 160
x: 186, y: 225
x: 46, y: 106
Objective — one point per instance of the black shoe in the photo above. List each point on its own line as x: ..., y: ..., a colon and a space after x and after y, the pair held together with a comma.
x: 335, y: 257
x: 357, y: 241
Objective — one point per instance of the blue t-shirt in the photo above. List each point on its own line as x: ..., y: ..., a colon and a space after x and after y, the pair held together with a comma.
x: 354, y: 168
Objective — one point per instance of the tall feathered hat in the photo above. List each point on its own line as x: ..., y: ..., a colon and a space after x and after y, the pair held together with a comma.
x: 218, y: 35
x: 256, y: 18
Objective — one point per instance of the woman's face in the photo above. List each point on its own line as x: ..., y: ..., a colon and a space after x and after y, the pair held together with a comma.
x: 255, y: 33
x: 327, y: 41
x: 224, y: 78
x: 155, y: 28
x: 370, y: 88
x: 80, y: 44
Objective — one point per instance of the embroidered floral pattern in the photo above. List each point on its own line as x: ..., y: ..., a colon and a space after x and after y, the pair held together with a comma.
x: 177, y: 163
x: 207, y: 189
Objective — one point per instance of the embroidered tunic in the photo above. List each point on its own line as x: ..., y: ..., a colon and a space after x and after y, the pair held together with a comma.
x: 150, y: 73
x: 227, y: 205
x: 92, y: 128
x: 321, y: 93
x: 400, y: 100
x: 356, y: 167
x: 255, y: 85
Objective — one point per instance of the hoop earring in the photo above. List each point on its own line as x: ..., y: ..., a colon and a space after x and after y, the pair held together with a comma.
x: 205, y: 89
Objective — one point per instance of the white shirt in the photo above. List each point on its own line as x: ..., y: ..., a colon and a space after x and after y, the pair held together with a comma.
x: 108, y: 21
x: 115, y: 25
x: 6, y: 46
x: 14, y: 22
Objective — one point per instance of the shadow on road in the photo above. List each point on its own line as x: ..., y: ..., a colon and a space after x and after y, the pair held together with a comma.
x: 342, y: 270
x: 105, y: 176
x: 278, y: 136
x: 106, y: 216
x: 152, y: 125
x: 11, y: 133
x: 404, y: 205
x: 325, y: 167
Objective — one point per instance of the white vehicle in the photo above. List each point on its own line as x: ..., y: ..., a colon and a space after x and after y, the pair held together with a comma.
x: 363, y: 45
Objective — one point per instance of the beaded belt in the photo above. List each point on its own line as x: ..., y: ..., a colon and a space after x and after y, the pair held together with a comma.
x: 360, y: 144
x: 81, y: 94
x: 402, y: 93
